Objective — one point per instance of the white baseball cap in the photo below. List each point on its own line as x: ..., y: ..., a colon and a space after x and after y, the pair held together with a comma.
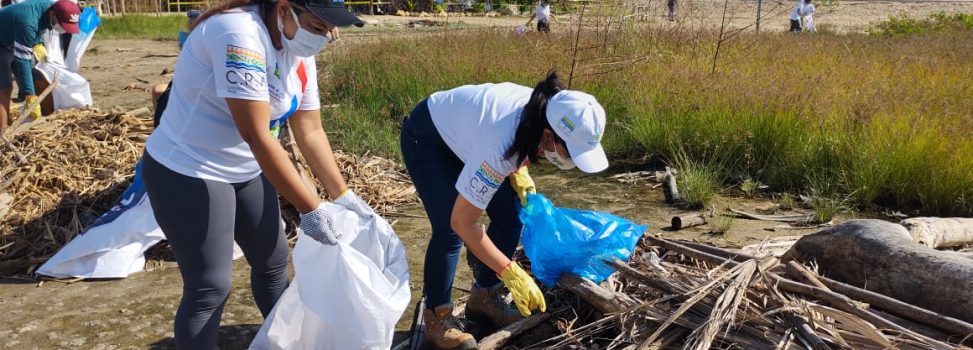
x: 580, y: 120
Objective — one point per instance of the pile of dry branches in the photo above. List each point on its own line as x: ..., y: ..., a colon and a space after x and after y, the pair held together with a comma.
x: 59, y: 174
x: 687, y: 295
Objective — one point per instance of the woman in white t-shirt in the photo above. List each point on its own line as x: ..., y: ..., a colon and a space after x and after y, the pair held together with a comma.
x: 807, y: 16
x: 544, y: 16
x: 467, y: 150
x: 214, y: 166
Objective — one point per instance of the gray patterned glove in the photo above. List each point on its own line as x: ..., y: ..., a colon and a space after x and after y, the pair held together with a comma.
x: 317, y: 224
x: 352, y: 202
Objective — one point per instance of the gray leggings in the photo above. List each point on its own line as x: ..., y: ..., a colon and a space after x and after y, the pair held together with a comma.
x: 201, y: 219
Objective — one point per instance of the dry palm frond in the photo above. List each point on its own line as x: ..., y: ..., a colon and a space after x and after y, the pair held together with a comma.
x: 726, y: 306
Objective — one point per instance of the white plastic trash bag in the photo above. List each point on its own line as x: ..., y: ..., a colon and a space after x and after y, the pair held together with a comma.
x: 79, y: 44
x: 72, y: 90
x: 115, y: 244
x: 343, y: 297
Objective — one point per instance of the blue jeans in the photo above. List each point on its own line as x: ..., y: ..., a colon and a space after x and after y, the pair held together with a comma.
x: 434, y: 169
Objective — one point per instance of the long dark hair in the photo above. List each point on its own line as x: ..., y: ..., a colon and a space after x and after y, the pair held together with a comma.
x: 533, y: 120
x: 267, y: 7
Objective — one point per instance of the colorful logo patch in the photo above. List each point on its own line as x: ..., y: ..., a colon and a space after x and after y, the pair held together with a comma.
x: 241, y: 58
x: 489, y: 176
x: 567, y: 123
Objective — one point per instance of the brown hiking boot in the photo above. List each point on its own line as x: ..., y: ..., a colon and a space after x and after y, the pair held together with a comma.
x: 445, y: 331
x: 489, y: 304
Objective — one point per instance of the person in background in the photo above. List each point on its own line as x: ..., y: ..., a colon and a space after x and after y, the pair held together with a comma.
x: 160, y: 92
x: 466, y: 150
x: 807, y: 17
x: 544, y: 16
x: 22, y: 27
x: 671, y: 4
x: 214, y: 166
x: 796, y: 17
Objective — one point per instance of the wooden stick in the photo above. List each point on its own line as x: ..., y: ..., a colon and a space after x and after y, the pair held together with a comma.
x: 651, y: 281
x: 602, y: 299
x: 796, y: 270
x: 898, y: 308
x: 669, y: 189
x: 687, y: 220
x: 498, y: 339
x: 137, y: 112
x: 17, y: 125
x: 737, y: 256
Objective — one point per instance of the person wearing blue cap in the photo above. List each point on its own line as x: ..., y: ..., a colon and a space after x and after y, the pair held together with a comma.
x: 214, y: 166
x: 466, y: 150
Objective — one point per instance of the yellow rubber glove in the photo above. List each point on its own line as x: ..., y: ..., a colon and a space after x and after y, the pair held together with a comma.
x: 527, y: 296
x: 40, y: 52
x: 35, y: 114
x: 522, y: 184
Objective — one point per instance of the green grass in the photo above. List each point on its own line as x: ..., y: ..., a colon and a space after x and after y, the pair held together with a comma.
x: 165, y: 27
x: 903, y: 24
x: 882, y: 120
x: 721, y: 224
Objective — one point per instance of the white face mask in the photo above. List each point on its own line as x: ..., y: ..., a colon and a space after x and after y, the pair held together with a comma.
x: 558, y: 161
x: 59, y: 29
x: 304, y: 43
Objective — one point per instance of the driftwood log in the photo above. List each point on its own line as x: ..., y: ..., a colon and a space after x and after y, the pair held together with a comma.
x: 687, y: 220
x: 602, y: 299
x: 669, y: 188
x: 499, y: 339
x: 940, y: 232
x: 883, y: 258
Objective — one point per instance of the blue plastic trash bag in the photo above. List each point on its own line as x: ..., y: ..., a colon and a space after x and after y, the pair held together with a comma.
x: 559, y: 240
x: 89, y: 20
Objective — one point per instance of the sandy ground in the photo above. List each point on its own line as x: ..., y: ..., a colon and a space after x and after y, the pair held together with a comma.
x: 137, y: 312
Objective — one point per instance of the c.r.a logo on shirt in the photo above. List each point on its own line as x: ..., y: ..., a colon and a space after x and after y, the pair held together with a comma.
x: 246, y: 79
x: 486, y: 181
x: 247, y: 68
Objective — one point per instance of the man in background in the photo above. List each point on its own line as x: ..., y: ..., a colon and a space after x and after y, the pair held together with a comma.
x: 796, y: 17
x: 22, y: 30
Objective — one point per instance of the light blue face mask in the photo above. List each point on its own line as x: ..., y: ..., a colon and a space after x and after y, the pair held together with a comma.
x: 304, y: 43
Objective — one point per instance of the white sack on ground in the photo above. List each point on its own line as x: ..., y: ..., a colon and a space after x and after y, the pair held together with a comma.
x: 114, y: 246
x: 347, y: 296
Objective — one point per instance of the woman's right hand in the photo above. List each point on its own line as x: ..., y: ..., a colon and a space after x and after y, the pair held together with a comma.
x: 317, y: 224
x: 526, y: 294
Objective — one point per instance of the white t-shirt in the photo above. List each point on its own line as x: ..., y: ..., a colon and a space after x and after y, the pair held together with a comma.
x: 808, y: 11
x: 228, y: 56
x: 796, y: 14
x: 543, y: 12
x: 478, y: 123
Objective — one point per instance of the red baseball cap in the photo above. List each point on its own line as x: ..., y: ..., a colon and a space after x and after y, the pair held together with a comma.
x: 68, y: 15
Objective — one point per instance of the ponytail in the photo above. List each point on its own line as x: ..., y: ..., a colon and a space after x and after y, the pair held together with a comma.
x: 533, y: 120
x: 267, y: 6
